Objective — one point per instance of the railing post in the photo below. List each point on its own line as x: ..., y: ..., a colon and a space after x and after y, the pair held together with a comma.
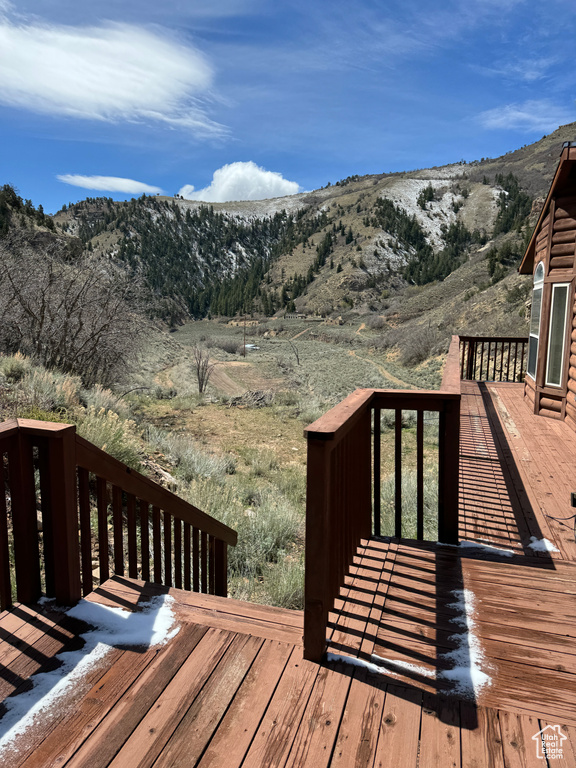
x: 24, y: 519
x: 470, y: 362
x: 449, y: 471
x: 62, y: 503
x: 318, y: 554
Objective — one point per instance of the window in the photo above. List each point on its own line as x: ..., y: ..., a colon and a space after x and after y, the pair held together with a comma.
x: 557, y: 337
x: 535, y: 320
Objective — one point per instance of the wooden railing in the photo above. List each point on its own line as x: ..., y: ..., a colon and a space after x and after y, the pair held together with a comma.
x: 344, y: 484
x: 493, y: 359
x: 66, y: 505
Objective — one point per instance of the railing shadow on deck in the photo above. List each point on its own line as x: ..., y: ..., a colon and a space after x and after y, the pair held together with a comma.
x: 421, y: 612
x: 522, y: 511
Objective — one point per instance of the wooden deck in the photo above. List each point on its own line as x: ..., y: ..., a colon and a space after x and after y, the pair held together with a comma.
x: 232, y: 688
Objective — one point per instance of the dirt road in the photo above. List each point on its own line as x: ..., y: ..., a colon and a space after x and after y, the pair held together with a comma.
x: 383, y: 371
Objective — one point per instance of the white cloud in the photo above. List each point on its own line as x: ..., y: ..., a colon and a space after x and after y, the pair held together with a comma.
x: 115, y: 72
x: 242, y: 181
x: 109, y: 184
x: 530, y: 116
x: 526, y: 70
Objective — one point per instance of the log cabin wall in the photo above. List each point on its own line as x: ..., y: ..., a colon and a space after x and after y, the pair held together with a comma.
x: 555, y: 246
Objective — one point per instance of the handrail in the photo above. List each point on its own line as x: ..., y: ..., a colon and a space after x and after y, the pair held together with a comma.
x: 83, y: 489
x: 100, y: 463
x: 336, y: 422
x: 451, y: 376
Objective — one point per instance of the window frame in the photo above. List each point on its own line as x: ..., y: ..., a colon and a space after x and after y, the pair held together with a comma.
x: 538, y: 285
x: 554, y: 287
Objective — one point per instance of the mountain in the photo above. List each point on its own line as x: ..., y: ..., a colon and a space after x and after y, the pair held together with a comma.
x: 349, y: 245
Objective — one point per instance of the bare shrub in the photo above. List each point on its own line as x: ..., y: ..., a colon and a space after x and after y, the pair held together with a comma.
x: 418, y: 345
x: 376, y: 323
x: 226, y: 345
x: 203, y: 367
x: 72, y: 313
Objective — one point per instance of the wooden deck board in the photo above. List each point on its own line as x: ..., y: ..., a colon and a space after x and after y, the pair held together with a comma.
x: 189, y: 740
x: 400, y: 727
x: 145, y: 744
x: 236, y: 731
x: 110, y: 732
x: 360, y: 725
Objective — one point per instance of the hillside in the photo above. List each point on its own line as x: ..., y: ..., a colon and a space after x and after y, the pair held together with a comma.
x: 351, y: 246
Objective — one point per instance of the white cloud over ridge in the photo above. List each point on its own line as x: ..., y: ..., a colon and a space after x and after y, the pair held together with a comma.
x: 115, y: 72
x: 242, y: 181
x: 534, y: 115
x: 109, y: 184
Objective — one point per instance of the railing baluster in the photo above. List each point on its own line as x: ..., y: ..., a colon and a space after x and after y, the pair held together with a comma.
x: 509, y: 345
x: 118, y: 537
x: 420, y: 475
x: 187, y: 560
x: 195, y: 560
x: 495, y: 361
x: 472, y: 354
x: 204, y: 560
x: 377, y: 471
x: 221, y: 569
x: 102, y: 506
x: 132, y: 537
x: 47, y: 527
x: 167, y: 549
x: 85, y: 530
x: 177, y: 553
x: 144, y: 540
x: 479, y: 378
x: 398, y: 472
x: 211, y: 565
x: 157, y: 544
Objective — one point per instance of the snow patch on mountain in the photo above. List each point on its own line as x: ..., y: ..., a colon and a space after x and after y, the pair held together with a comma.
x: 404, y: 194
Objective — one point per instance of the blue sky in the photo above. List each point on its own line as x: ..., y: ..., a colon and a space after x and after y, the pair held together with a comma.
x: 256, y: 98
